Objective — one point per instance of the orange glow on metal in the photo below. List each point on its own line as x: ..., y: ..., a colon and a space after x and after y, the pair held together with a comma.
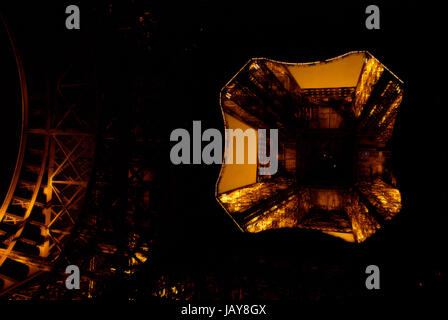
x: 385, y: 198
x: 370, y: 75
x: 279, y: 216
x: 340, y: 212
x: 242, y: 199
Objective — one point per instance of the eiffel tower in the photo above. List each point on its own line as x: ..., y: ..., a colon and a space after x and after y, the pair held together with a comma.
x: 83, y: 185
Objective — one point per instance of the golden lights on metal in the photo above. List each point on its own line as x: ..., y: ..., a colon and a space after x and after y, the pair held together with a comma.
x: 357, y: 93
x: 369, y: 77
x: 48, y: 187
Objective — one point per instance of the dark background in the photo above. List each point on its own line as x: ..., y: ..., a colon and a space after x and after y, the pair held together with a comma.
x: 192, y: 50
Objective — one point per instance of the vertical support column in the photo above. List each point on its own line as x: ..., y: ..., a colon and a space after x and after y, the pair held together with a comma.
x: 48, y: 190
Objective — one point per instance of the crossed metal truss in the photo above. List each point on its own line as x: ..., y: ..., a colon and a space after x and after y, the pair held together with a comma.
x: 52, y: 171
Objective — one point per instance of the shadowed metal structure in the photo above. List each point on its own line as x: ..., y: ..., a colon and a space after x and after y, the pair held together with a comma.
x: 335, y: 119
x: 86, y: 188
x: 51, y: 174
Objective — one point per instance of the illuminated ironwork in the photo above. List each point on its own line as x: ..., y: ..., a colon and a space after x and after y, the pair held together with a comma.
x: 341, y: 113
x: 51, y: 175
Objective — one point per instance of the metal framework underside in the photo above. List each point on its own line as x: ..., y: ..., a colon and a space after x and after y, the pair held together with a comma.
x: 264, y: 94
x: 86, y: 189
x: 51, y: 175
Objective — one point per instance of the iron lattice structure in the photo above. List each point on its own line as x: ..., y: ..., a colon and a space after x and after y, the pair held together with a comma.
x: 114, y: 221
x: 335, y: 120
x: 53, y: 169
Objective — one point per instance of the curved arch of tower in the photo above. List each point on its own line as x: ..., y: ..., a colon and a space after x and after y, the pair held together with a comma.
x: 52, y: 171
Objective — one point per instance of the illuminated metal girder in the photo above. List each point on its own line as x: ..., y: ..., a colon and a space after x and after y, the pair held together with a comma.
x: 50, y: 178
